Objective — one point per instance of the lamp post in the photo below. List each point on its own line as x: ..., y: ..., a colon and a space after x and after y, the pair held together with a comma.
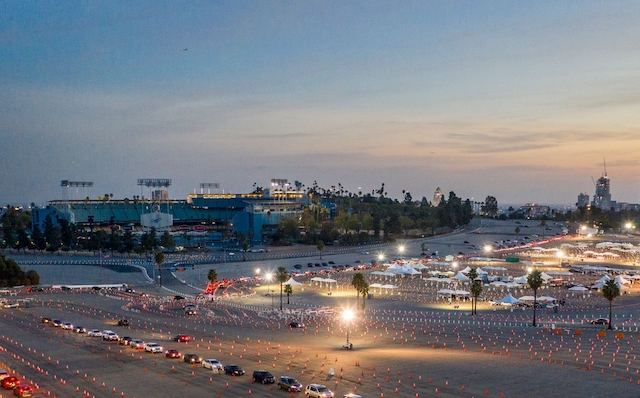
x: 269, y: 276
x: 347, y: 315
x: 401, y: 250
x: 380, y: 258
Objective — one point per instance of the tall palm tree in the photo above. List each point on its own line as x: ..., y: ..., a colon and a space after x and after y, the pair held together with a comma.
x: 364, y: 290
x: 212, y: 275
x: 476, y: 290
x: 543, y: 224
x: 281, y: 276
x: 159, y: 259
x: 610, y: 291
x: 535, y: 282
x: 320, y: 247
x: 288, y: 290
x: 357, y: 282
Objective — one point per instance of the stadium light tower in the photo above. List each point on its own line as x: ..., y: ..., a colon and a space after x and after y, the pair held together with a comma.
x: 208, y: 186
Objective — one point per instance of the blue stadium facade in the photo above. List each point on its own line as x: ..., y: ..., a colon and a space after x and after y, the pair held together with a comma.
x: 254, y: 215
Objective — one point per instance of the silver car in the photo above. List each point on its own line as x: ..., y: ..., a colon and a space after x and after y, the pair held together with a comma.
x: 212, y: 364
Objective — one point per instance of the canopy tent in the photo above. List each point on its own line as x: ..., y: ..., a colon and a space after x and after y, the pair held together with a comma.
x: 388, y: 287
x: 383, y: 273
x: 546, y: 298
x: 521, y: 279
x: 508, y: 300
x: 292, y: 282
x: 436, y: 279
x: 461, y: 277
x: 327, y: 280
x: 545, y: 276
x: 446, y: 291
x: 526, y: 298
x: 578, y: 289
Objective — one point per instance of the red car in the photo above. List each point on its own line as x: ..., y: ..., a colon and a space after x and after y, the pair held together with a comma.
x: 10, y: 382
x: 182, y: 338
x: 24, y: 391
x: 172, y: 354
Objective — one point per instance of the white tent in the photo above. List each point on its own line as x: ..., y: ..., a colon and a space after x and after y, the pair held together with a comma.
x: 446, y: 292
x: 578, y: 289
x: 389, y: 287
x: 546, y: 298
x: 508, y: 300
x: 526, y: 298
x: 521, y: 279
x: 461, y: 277
x: 292, y: 282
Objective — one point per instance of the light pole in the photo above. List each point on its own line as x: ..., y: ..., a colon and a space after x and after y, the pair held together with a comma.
x: 347, y: 315
x: 269, y: 276
x: 401, y: 250
x: 380, y: 258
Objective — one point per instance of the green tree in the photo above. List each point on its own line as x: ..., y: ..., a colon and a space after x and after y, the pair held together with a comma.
x: 10, y: 273
x: 166, y: 240
x: 357, y: 282
x: 364, y: 290
x: 128, y: 242
x: 535, y: 282
x: 159, y: 259
x: 490, y: 207
x: 32, y: 278
x: 23, y: 241
x: 39, y: 241
x: 422, y: 247
x: 543, y: 224
x: 212, y: 275
x: 281, y: 276
x: 610, y: 291
x: 320, y: 247
x: 517, y: 231
x: 476, y: 290
x: 288, y: 290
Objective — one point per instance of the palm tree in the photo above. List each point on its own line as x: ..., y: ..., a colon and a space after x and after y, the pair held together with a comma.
x: 364, y: 290
x: 476, y: 289
x: 517, y: 231
x: 159, y: 259
x: 610, y: 291
x: 320, y: 247
x: 212, y: 275
x: 288, y: 290
x: 535, y: 282
x: 281, y: 276
x: 357, y: 282
x: 543, y: 224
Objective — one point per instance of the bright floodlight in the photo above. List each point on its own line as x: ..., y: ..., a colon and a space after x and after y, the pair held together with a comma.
x: 347, y: 315
x: 380, y: 257
x: 269, y: 276
x: 628, y: 225
x: 583, y: 227
x: 257, y: 271
x: 559, y: 254
x: 401, y: 249
x: 487, y: 248
x: 529, y: 270
x: 454, y: 264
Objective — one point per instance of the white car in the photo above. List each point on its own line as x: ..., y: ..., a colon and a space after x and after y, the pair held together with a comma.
x: 153, y: 348
x: 67, y: 326
x: 211, y: 363
x: 94, y: 333
x: 108, y: 335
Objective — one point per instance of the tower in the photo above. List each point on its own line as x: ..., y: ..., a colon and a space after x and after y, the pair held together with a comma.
x: 437, y: 197
x: 602, y: 198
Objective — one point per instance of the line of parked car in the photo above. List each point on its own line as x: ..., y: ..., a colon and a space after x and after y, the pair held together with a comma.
x: 287, y: 383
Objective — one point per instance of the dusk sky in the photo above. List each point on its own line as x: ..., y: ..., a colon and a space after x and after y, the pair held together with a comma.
x: 521, y: 100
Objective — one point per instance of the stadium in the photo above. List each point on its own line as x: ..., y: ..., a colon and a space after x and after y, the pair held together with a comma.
x: 214, y: 215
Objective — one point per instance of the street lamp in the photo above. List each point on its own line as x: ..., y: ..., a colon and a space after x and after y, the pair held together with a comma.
x: 269, y: 276
x: 487, y: 249
x: 401, y: 250
x: 380, y: 258
x: 347, y: 316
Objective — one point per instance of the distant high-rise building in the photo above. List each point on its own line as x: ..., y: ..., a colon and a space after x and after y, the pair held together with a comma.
x: 602, y: 198
x: 583, y: 200
x: 437, y: 197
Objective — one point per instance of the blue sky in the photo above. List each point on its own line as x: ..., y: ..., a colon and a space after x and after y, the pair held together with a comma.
x: 520, y: 100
